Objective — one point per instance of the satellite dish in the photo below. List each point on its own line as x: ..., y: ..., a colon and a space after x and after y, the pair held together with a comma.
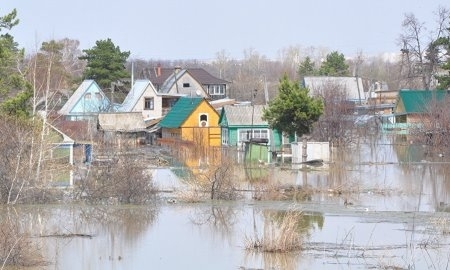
x: 198, y: 93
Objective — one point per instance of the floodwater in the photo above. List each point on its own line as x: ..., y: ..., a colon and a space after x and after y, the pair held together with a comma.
x: 397, y: 216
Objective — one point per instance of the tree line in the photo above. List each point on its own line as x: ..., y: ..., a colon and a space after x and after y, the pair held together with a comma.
x: 422, y: 62
x: 28, y: 81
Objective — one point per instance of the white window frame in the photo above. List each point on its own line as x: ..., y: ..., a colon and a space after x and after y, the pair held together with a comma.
x: 200, y: 121
x: 258, y: 133
x: 225, y: 136
x: 151, y: 101
x: 217, y: 89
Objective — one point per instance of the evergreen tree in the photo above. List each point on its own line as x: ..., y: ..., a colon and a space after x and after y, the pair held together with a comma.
x: 293, y: 111
x: 306, y: 68
x: 444, y: 79
x: 105, y: 63
x: 334, y: 65
x: 15, y: 92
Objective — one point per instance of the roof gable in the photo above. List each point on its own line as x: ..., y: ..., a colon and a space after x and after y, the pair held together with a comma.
x: 180, y: 112
x: 76, y: 99
x: 242, y: 116
x: 171, y: 80
x: 139, y: 88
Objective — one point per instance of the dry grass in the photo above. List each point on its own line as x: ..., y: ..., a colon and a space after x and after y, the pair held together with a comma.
x: 281, y: 234
x: 276, y: 192
x: 441, y: 225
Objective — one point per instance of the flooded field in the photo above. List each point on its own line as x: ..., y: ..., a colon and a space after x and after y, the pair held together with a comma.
x: 376, y: 206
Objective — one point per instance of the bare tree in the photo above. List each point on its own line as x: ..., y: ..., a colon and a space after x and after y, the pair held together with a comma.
x: 334, y: 125
x: 434, y: 124
x: 17, y: 248
x: 16, y: 162
x: 420, y: 57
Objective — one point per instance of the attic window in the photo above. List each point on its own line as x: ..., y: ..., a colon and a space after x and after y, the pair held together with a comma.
x: 98, y: 95
x: 149, y: 104
x: 185, y: 85
x: 203, y: 120
x: 87, y: 96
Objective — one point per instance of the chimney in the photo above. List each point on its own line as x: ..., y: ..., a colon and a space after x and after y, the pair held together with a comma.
x: 177, y: 69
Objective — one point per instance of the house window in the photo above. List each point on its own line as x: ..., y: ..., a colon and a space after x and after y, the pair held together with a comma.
x: 217, y: 89
x: 87, y: 96
x: 246, y: 134
x: 98, y: 95
x: 203, y: 120
x: 224, y: 136
x: 186, y: 85
x: 149, y: 104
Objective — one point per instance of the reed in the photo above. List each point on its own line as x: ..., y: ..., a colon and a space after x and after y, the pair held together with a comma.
x: 280, y: 234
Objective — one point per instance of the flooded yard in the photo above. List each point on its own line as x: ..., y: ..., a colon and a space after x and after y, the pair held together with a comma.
x: 376, y: 206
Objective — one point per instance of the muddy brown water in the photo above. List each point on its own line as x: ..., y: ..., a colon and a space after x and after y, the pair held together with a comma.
x: 397, y: 216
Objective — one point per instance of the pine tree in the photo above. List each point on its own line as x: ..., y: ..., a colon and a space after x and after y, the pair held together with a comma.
x: 293, y: 111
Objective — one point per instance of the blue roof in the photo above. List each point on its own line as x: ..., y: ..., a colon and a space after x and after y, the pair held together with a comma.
x: 78, y: 94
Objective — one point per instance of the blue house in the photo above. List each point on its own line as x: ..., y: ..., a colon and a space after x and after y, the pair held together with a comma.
x: 85, y: 103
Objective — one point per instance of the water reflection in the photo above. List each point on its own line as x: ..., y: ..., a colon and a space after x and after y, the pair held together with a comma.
x: 62, y: 230
x: 396, y: 216
x: 220, y: 219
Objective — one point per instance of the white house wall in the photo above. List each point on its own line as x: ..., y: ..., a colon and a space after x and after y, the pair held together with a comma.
x: 194, y: 86
x: 157, y: 104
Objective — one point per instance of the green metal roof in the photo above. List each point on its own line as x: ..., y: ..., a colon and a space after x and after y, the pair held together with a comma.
x: 416, y: 101
x: 180, y: 112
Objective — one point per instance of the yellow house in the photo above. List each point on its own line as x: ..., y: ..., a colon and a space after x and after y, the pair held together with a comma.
x: 192, y: 120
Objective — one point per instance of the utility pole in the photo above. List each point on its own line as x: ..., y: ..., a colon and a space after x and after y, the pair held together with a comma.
x: 255, y: 91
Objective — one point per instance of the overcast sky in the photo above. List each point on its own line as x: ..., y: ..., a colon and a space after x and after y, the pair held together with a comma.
x: 198, y: 29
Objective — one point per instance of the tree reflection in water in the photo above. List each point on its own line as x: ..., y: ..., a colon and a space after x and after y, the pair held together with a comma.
x: 221, y: 219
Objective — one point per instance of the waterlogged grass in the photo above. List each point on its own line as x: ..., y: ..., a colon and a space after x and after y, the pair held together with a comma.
x: 281, y: 233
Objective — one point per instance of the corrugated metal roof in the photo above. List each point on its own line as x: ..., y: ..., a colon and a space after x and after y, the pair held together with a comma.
x: 353, y: 85
x: 134, y: 95
x: 416, y: 101
x: 67, y: 108
x: 180, y: 111
x: 242, y: 115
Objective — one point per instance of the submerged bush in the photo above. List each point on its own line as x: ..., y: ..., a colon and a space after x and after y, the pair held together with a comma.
x: 16, y: 248
x: 121, y: 179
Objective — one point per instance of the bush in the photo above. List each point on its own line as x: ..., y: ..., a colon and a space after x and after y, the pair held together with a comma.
x: 16, y: 248
x: 122, y: 178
